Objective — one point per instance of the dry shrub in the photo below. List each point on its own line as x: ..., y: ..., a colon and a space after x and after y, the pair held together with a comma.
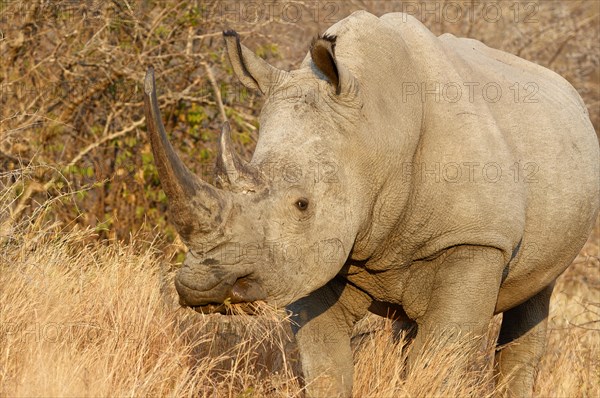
x: 71, y: 97
x: 71, y: 103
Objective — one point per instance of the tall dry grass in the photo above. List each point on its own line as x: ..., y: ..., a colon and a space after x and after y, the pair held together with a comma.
x: 80, y: 317
x: 101, y: 320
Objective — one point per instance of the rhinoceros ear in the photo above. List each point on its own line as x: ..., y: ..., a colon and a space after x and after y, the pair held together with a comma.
x: 253, y: 71
x: 322, y: 52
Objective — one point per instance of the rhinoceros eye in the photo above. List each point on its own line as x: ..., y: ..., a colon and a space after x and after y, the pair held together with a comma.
x: 302, y: 204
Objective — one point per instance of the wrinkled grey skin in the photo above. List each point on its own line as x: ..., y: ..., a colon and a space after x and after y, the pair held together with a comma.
x: 377, y: 226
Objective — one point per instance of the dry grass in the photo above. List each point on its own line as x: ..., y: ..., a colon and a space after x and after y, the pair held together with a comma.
x: 102, y: 319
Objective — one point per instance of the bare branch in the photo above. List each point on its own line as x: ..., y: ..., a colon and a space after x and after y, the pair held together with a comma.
x: 213, y: 83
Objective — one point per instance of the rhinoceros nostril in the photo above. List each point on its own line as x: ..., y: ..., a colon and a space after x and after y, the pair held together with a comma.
x: 245, y: 290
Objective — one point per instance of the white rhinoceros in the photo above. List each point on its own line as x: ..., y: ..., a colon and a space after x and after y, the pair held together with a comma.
x: 395, y: 169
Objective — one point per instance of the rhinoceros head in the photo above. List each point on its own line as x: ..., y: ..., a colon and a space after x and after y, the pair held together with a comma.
x: 282, y: 225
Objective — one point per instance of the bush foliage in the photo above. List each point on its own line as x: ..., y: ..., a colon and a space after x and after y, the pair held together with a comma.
x: 72, y: 127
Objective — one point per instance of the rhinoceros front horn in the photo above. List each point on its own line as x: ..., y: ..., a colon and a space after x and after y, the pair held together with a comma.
x: 195, y: 206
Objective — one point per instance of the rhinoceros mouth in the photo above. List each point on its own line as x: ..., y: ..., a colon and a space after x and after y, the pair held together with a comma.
x: 252, y: 308
x: 241, y: 297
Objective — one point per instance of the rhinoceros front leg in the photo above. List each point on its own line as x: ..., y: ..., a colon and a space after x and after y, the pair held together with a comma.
x: 462, y: 294
x: 322, y: 324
